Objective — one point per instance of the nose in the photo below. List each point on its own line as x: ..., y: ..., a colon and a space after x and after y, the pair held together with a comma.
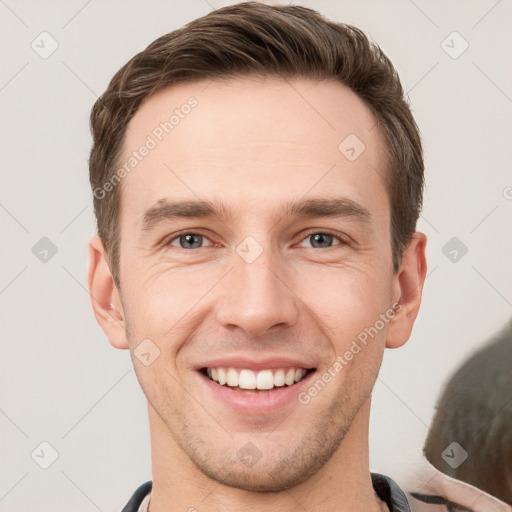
x: 258, y: 296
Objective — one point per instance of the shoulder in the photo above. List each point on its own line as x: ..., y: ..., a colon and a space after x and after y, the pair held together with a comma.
x: 137, y: 497
x: 389, y: 492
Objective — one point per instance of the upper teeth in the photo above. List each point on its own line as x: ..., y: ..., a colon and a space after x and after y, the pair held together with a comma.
x: 248, y: 379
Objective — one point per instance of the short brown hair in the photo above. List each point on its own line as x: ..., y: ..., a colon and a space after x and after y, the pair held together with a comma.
x: 252, y: 39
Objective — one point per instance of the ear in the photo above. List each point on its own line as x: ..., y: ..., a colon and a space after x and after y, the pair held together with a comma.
x: 105, y: 298
x: 408, y: 289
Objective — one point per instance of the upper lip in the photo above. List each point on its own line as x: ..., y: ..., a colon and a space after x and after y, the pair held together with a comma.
x: 254, y: 363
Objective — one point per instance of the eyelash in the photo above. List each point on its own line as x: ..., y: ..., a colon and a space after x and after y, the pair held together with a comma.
x: 307, y: 235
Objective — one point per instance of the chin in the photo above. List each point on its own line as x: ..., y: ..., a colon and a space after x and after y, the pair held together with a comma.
x: 260, y: 480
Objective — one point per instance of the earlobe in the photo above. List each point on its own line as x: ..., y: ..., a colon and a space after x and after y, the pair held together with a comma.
x: 105, y: 298
x: 408, y: 284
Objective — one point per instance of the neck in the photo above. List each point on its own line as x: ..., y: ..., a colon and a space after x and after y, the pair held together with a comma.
x: 343, y: 484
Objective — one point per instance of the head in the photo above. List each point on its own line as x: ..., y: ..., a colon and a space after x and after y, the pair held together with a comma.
x: 475, y: 411
x: 257, y: 179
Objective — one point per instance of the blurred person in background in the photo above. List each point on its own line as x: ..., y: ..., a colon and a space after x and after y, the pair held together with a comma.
x: 467, y: 464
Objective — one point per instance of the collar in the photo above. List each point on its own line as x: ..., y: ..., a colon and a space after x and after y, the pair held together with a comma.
x: 386, y: 489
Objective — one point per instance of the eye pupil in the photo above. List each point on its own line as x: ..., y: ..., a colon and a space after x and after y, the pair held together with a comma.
x: 321, y: 237
x: 189, y: 239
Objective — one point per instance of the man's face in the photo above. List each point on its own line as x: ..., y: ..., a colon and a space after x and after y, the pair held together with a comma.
x: 257, y: 288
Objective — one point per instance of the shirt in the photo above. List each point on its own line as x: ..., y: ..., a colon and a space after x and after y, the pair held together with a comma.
x: 386, y: 488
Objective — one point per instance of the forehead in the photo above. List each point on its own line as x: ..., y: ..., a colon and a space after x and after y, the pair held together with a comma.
x: 250, y: 141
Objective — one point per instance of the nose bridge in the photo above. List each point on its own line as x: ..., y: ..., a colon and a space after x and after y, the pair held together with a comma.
x: 257, y: 295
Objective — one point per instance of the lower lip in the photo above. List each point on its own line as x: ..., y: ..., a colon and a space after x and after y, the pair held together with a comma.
x: 261, y: 402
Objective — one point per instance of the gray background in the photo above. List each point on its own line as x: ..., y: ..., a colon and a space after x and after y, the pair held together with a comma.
x: 61, y: 381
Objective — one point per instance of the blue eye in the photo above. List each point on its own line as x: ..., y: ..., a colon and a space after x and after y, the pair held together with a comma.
x: 186, y: 240
x: 192, y: 240
x: 321, y: 238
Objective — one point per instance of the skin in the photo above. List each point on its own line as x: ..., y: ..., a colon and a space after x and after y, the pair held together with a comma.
x: 255, y: 144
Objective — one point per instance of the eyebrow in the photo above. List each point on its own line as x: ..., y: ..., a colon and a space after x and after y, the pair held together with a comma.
x: 165, y: 209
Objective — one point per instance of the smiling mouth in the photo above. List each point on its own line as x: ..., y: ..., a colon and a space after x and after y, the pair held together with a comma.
x: 249, y: 381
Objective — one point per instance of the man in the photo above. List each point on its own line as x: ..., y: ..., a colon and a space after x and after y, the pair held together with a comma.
x: 257, y: 178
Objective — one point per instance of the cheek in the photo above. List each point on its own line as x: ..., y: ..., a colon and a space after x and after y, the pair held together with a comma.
x: 166, y: 307
x: 166, y: 303
x: 346, y: 299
